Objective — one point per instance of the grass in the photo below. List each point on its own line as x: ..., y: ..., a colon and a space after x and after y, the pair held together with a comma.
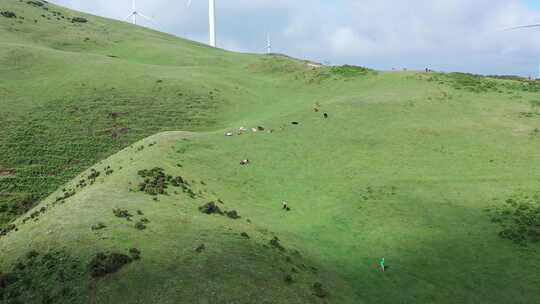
x: 404, y: 168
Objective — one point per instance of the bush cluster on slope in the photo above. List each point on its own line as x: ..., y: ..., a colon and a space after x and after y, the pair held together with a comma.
x: 8, y: 14
x: 519, y: 218
x: 156, y: 182
x: 107, y: 263
x: 45, y: 278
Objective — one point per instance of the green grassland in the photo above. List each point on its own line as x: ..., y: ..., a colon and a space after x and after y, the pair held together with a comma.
x: 438, y: 173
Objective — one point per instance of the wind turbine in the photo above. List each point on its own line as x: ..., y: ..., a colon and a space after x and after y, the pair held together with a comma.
x: 211, y: 21
x: 268, y: 44
x: 524, y: 27
x: 133, y: 15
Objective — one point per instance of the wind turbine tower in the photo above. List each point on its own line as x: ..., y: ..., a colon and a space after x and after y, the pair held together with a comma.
x: 268, y: 44
x: 211, y: 21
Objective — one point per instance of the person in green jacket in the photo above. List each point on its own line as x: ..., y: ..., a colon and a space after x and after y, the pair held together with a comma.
x: 382, y: 264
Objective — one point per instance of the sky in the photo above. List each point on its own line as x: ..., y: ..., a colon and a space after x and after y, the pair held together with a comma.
x: 444, y: 35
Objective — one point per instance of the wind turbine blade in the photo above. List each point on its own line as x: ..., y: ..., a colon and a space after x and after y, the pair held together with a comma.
x: 146, y: 17
x: 129, y: 16
x: 522, y: 27
x: 189, y: 3
x: 152, y: 20
x: 133, y: 5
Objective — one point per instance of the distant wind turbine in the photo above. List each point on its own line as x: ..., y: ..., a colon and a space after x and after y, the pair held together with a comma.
x: 524, y: 27
x: 268, y: 44
x: 211, y: 21
x: 134, y: 14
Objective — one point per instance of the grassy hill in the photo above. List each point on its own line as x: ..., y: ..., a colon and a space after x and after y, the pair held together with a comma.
x: 112, y: 141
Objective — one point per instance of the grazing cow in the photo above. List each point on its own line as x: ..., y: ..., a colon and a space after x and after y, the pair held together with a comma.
x: 284, y: 205
x: 316, y: 109
x: 325, y: 115
x: 254, y: 130
x: 295, y: 123
x: 228, y: 134
x: 244, y: 162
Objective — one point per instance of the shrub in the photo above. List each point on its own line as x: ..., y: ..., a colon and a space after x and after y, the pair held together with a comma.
x: 210, y: 208
x: 319, y: 290
x: 122, y: 213
x: 155, y: 181
x: 108, y: 170
x: 103, y: 264
x: 177, y: 181
x: 98, y: 226
x: 350, y: 71
x: 200, y: 248
x: 93, y: 175
x: 79, y: 20
x: 135, y: 253
x: 7, y: 229
x: 26, y: 278
x: 8, y: 14
x: 276, y: 244
x: 232, y: 214
x: 36, y: 3
x: 140, y: 226
x: 519, y: 218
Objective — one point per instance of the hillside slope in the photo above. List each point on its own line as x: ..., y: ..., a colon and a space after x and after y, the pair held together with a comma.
x: 438, y: 173
x: 74, y: 93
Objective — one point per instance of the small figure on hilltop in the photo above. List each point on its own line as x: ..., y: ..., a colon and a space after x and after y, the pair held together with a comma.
x: 381, y: 263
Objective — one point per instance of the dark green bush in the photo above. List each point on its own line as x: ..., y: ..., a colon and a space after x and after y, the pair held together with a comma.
x: 8, y: 14
x: 36, y: 3
x: 232, y: 214
x: 276, y: 244
x: 122, y: 213
x: 210, y: 208
x: 25, y: 282
x: 350, y: 71
x: 98, y: 226
x: 319, y: 290
x: 79, y: 20
x: 135, y: 253
x: 519, y: 218
x: 140, y: 225
x: 103, y: 264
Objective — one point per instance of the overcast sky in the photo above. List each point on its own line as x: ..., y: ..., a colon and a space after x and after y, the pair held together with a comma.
x: 446, y: 35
